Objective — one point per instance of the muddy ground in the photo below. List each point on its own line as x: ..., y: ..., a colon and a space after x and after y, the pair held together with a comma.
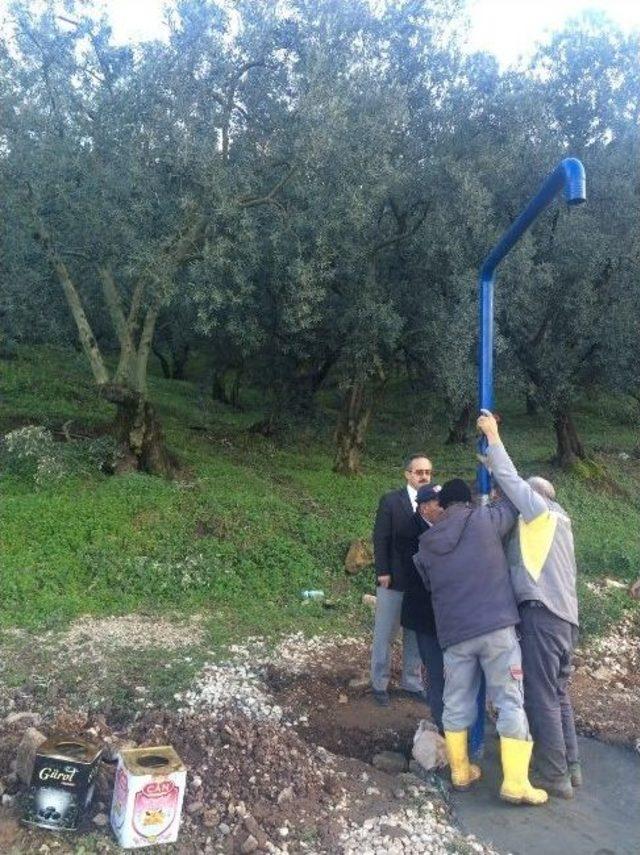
x: 278, y: 742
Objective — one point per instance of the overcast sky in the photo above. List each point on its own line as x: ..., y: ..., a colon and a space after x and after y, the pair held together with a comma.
x: 507, y: 28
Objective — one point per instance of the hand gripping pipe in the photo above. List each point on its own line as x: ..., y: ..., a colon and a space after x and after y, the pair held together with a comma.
x: 569, y: 174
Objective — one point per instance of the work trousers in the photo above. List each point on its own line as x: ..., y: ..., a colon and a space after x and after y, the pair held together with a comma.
x: 385, y: 631
x: 547, y: 643
x: 431, y: 655
x: 497, y: 655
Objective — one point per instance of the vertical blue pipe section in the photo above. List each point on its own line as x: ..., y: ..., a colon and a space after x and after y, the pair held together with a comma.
x: 485, y: 374
x: 476, y: 736
x: 569, y: 174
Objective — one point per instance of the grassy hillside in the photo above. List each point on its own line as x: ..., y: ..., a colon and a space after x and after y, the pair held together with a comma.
x: 252, y: 522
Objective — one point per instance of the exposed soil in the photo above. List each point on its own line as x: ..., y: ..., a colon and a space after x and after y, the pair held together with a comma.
x: 279, y: 743
x: 344, y: 718
x: 254, y: 740
x: 606, y: 688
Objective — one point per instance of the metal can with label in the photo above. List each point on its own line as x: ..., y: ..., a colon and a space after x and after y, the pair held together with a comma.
x: 147, y: 796
x: 62, y: 783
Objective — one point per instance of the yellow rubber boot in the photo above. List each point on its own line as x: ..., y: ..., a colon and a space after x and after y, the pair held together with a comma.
x: 463, y: 773
x: 516, y: 755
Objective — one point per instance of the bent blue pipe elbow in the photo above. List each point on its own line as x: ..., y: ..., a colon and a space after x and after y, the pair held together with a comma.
x: 569, y: 174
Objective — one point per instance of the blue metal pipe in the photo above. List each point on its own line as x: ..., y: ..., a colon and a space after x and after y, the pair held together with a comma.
x: 569, y: 174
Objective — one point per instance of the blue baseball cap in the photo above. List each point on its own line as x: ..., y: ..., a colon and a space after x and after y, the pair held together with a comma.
x: 428, y: 493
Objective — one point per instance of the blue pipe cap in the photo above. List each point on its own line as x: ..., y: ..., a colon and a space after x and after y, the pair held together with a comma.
x: 575, y: 184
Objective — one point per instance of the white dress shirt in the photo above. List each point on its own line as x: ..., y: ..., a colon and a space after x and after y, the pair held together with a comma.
x: 413, y: 497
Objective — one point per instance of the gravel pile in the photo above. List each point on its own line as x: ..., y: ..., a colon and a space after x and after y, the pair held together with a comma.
x: 413, y: 830
x: 615, y: 655
x: 240, y: 683
x: 232, y: 685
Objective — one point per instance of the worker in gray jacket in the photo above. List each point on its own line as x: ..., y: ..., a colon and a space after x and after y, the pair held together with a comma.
x: 461, y: 561
x: 542, y: 566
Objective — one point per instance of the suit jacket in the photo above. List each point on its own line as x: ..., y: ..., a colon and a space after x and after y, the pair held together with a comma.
x: 417, y: 609
x: 395, y: 538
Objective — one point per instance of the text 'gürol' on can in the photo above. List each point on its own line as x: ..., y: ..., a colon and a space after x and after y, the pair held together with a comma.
x: 62, y: 783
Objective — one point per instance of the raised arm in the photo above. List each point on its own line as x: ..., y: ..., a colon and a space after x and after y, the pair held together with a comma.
x: 527, y: 501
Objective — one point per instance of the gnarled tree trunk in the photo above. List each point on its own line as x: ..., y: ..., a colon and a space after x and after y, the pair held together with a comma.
x: 458, y: 431
x: 225, y: 386
x: 353, y: 421
x: 531, y: 404
x: 569, y: 447
x: 139, y: 431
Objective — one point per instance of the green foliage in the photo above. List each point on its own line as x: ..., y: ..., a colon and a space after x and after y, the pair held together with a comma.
x: 252, y: 524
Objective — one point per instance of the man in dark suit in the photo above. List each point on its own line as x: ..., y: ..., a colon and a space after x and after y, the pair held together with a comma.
x: 395, y: 541
x: 417, y: 610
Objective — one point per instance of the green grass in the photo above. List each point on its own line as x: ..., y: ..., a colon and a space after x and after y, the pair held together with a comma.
x: 254, y: 522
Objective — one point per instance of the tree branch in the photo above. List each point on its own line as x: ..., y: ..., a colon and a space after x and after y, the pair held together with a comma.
x: 249, y: 202
x: 85, y: 333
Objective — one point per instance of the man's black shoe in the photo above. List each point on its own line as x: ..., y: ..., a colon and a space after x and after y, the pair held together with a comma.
x: 417, y: 696
x: 381, y: 698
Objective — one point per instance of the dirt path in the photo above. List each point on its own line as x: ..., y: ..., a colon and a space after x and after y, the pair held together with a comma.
x: 601, y: 820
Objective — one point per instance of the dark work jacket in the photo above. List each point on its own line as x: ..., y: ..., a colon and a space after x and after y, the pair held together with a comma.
x: 417, y: 609
x: 395, y: 538
x: 461, y: 560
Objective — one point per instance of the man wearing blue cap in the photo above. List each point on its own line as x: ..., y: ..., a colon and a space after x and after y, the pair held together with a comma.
x: 417, y: 609
x: 462, y: 561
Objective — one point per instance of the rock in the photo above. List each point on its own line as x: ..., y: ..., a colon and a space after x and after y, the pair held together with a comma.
x: 359, y: 556
x: 634, y: 590
x: 211, y: 818
x: 369, y: 600
x: 603, y: 674
x: 32, y: 718
x: 223, y: 828
x: 360, y: 682
x: 398, y: 792
x: 285, y: 795
x: 194, y: 808
x: 390, y: 761
x: 284, y: 831
x: 323, y: 755
x: 416, y: 769
x: 26, y: 754
x: 104, y: 781
x: 343, y: 699
x: 249, y: 845
x: 114, y: 745
x: 100, y: 819
x: 7, y: 799
x: 429, y: 747
x: 9, y: 831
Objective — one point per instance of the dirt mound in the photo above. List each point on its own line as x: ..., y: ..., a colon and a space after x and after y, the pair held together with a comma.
x: 242, y: 767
